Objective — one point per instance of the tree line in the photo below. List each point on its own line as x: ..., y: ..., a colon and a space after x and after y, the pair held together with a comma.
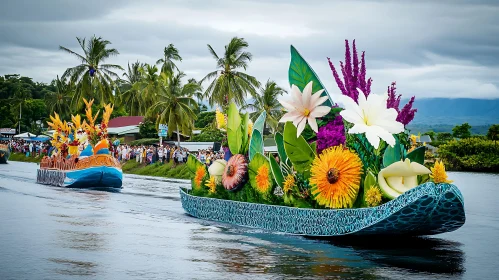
x: 159, y: 91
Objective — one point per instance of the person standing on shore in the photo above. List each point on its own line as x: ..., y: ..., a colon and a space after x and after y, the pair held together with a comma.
x: 160, y: 154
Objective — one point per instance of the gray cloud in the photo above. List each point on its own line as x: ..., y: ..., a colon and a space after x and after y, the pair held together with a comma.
x: 447, y: 48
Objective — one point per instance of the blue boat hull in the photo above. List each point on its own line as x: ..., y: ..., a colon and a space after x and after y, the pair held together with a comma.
x: 425, y: 210
x: 97, y: 177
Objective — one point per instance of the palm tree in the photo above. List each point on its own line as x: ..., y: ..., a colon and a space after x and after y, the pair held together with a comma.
x: 92, y: 77
x: 229, y: 84
x: 175, y: 105
x: 170, y: 54
x: 266, y: 101
x: 131, y: 96
x: 149, y: 86
x: 59, y: 100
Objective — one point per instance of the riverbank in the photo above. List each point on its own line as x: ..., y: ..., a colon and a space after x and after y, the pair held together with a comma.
x: 158, y: 170
x: 23, y: 158
x: 130, y: 167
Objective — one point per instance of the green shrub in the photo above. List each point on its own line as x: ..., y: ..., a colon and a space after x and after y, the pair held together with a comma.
x: 209, y: 135
x: 471, y: 154
x: 145, y: 141
x: 204, y: 119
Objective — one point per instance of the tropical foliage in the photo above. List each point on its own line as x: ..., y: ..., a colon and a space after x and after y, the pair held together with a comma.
x: 266, y: 101
x: 92, y: 77
x: 228, y: 82
x: 175, y: 105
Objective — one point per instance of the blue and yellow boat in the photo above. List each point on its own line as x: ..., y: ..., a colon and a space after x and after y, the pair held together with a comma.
x: 94, y: 167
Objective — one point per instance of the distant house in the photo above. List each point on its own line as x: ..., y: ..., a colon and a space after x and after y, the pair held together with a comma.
x: 423, y: 139
x: 127, y: 127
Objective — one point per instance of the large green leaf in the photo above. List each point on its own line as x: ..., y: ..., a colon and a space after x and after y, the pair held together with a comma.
x: 276, y: 171
x: 256, y: 144
x: 417, y: 155
x: 279, y: 141
x: 260, y: 122
x: 193, y: 163
x: 245, y: 134
x: 258, y: 161
x: 300, y: 74
x: 297, y: 149
x: 392, y: 154
x: 234, y: 132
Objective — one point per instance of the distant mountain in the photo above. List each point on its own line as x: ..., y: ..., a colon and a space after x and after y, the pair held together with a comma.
x: 456, y: 111
x: 442, y: 114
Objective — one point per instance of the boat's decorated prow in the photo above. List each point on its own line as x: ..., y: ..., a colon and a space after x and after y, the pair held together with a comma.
x: 81, y: 157
x: 4, y: 153
x: 340, y: 169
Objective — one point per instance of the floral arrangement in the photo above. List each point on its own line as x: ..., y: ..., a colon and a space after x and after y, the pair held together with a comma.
x: 68, y: 136
x: 354, y: 154
x: 96, y: 133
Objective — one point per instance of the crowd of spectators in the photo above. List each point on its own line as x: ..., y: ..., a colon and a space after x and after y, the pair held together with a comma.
x: 163, y: 154
x: 29, y: 148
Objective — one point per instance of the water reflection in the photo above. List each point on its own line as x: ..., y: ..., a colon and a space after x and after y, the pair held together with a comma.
x: 74, y: 268
x: 418, y: 254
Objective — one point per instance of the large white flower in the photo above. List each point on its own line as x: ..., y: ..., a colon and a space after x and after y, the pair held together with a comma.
x: 371, y: 117
x: 304, y: 107
x: 400, y: 177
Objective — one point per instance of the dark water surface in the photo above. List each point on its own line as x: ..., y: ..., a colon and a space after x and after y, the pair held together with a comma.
x: 142, y: 233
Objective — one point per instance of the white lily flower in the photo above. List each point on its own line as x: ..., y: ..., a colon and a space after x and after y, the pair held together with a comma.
x: 371, y: 117
x: 304, y: 107
x: 400, y: 177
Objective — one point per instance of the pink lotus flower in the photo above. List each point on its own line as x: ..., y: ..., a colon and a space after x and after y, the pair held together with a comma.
x: 304, y: 108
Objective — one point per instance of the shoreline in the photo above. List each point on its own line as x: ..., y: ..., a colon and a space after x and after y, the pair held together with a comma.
x: 157, y: 170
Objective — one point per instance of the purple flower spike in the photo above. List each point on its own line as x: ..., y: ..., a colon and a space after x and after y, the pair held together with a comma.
x: 406, y: 115
x: 332, y: 134
x: 353, y: 77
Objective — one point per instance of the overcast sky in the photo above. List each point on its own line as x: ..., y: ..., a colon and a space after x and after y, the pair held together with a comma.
x: 431, y: 48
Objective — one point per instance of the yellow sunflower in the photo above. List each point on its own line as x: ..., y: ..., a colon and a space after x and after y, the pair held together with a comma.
x: 289, y: 183
x: 200, y: 174
x: 335, y: 177
x: 438, y: 173
x: 373, y: 196
x: 262, y: 179
x: 212, y: 184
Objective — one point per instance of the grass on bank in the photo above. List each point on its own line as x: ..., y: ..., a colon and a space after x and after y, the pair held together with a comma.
x: 160, y: 170
x: 22, y: 157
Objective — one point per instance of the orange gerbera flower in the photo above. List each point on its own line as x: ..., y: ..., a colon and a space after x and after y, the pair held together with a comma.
x: 200, y: 174
x: 335, y: 177
x: 262, y: 179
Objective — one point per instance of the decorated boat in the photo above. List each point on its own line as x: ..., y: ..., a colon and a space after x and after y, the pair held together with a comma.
x: 81, y: 157
x: 346, y: 168
x: 4, y: 153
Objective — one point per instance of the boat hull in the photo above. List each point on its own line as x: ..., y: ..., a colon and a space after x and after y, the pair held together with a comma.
x: 4, y: 155
x: 100, y: 177
x: 425, y: 210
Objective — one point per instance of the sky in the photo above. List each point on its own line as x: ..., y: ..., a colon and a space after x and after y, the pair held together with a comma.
x: 446, y: 48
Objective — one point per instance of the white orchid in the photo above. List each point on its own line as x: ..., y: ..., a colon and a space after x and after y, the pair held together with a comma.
x: 371, y: 117
x: 304, y: 107
x: 400, y: 177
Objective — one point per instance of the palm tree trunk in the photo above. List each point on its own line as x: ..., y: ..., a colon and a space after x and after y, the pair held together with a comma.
x: 178, y: 137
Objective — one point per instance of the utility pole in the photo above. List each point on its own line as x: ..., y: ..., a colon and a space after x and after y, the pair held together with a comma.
x: 20, y: 117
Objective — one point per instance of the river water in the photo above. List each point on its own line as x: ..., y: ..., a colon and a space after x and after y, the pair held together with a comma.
x: 142, y: 232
